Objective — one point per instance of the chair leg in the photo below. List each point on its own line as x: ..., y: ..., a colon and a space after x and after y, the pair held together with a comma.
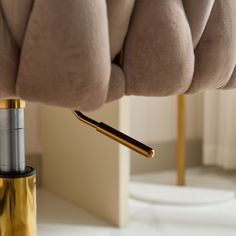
x: 181, y: 140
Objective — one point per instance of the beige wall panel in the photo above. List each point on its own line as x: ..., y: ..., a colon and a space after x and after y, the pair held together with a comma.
x: 83, y: 166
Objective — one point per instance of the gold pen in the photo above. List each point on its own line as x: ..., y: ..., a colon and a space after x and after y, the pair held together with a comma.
x: 116, y: 135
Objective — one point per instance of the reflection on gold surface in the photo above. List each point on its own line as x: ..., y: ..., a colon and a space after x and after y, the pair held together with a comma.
x: 12, y: 104
x: 18, y: 206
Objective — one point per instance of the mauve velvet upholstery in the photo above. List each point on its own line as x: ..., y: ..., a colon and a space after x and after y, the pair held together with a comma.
x: 159, y: 58
x: 62, y: 52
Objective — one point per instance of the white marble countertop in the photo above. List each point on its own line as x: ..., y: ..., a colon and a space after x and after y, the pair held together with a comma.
x: 57, y: 217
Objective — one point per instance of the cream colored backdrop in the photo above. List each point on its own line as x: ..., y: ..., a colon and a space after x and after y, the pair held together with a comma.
x: 79, y: 164
x: 219, y: 137
x: 32, y: 129
x: 153, y: 120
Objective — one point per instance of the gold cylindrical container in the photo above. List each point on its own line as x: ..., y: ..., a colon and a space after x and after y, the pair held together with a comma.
x: 18, y: 203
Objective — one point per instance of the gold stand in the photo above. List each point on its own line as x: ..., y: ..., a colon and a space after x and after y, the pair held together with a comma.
x: 17, y: 183
x: 18, y: 204
x: 181, y: 141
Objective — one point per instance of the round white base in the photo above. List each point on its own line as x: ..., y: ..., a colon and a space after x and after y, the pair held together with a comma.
x: 175, y: 195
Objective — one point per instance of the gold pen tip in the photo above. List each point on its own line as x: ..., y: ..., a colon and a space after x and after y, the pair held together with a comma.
x: 151, y: 154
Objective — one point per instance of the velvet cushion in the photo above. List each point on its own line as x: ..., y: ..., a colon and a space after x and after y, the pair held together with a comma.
x: 63, y: 53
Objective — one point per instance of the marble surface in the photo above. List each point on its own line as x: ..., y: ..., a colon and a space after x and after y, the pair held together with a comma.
x: 176, y: 195
x: 57, y: 217
x: 204, y: 177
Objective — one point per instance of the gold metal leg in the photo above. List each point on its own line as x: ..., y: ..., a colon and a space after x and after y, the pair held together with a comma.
x: 181, y: 141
